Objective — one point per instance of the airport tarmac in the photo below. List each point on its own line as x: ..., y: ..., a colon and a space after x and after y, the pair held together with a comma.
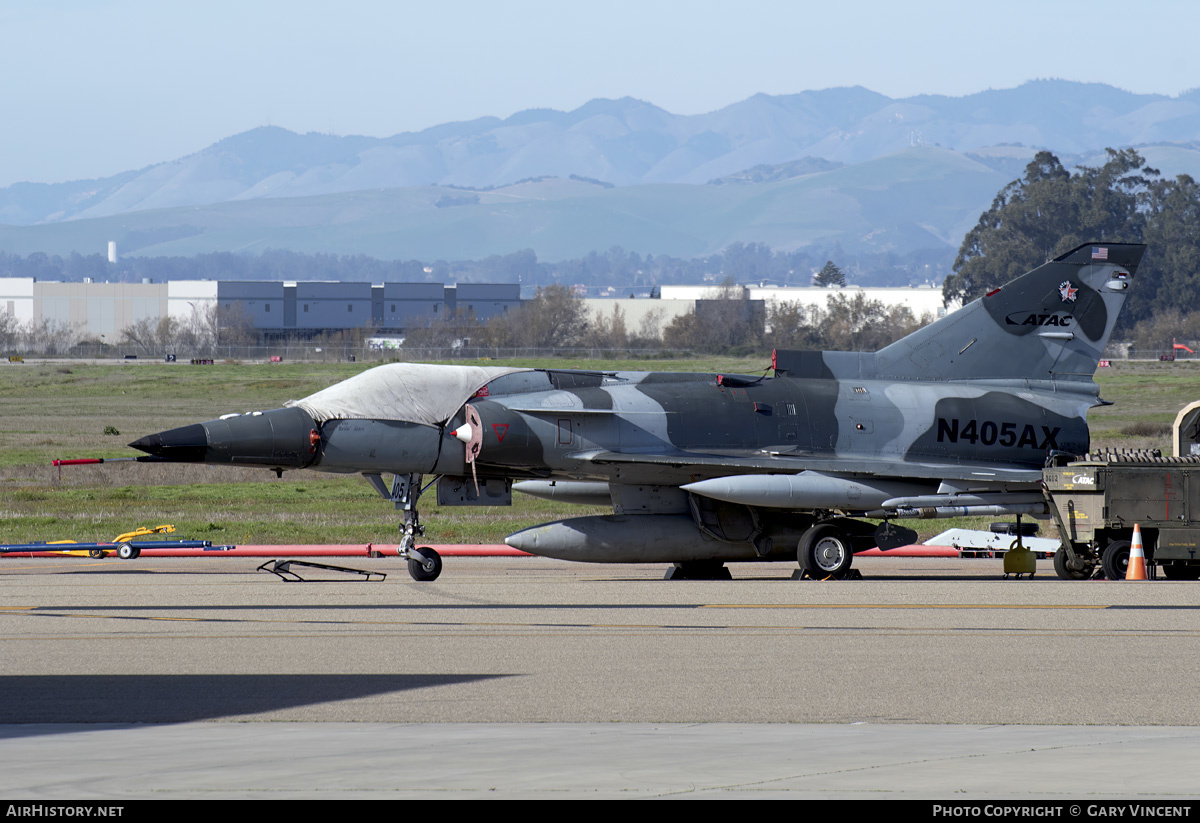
x: 523, y: 677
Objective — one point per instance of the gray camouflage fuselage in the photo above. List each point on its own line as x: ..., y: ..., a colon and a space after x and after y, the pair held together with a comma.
x: 962, y: 413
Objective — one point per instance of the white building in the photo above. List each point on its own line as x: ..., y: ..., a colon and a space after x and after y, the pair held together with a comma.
x: 640, y: 315
x: 187, y: 299
x: 921, y: 300
x: 16, y: 297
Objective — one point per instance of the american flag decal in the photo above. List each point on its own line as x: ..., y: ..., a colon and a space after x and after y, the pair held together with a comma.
x: 1099, y: 252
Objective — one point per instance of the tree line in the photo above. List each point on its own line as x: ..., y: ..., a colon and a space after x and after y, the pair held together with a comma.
x: 616, y: 268
x: 724, y: 322
x: 204, y: 329
x: 1049, y: 211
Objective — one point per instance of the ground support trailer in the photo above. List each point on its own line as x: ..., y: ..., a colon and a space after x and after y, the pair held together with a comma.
x: 1096, y: 502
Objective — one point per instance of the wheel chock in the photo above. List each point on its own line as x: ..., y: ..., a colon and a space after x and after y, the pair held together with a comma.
x: 802, y: 574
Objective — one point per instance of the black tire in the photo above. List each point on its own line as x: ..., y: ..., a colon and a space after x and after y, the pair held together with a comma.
x: 1181, y: 571
x: 825, y: 551
x: 126, y: 552
x: 96, y: 554
x: 1061, y: 569
x: 417, y: 560
x: 1115, y: 559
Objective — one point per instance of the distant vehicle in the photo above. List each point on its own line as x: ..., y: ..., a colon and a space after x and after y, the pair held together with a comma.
x: 385, y: 343
x: 956, y: 419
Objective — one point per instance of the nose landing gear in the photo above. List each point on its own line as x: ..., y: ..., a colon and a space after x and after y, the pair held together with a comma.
x: 424, y: 564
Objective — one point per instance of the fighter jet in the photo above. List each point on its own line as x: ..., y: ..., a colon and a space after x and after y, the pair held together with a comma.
x: 957, y: 418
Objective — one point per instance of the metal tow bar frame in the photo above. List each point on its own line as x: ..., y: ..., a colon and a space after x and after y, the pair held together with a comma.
x: 280, y: 568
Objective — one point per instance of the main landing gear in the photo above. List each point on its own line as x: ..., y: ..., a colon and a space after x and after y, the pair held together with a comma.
x: 424, y: 563
x: 825, y: 551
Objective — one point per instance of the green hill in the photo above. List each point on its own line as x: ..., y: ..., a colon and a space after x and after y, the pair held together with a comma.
x: 918, y: 198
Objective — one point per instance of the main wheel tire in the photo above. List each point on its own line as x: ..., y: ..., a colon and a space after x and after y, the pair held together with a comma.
x: 417, y: 564
x: 1067, y: 573
x: 126, y: 551
x: 1181, y: 571
x: 825, y: 551
x: 1115, y: 559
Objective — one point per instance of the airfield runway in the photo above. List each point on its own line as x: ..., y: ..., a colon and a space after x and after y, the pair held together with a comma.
x: 929, y: 678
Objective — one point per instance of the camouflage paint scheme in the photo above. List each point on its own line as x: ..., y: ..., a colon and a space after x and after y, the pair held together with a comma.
x: 706, y: 468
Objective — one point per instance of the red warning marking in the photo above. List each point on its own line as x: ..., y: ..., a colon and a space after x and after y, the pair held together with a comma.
x: 501, y: 429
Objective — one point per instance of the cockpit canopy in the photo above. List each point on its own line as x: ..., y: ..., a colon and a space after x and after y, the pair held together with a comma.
x: 408, y: 392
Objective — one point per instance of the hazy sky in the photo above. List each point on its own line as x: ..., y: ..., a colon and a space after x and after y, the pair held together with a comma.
x: 93, y: 88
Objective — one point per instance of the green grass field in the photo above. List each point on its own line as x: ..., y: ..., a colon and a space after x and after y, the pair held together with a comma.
x: 62, y: 410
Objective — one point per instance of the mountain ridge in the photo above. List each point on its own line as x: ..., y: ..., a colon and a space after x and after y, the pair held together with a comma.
x: 624, y: 141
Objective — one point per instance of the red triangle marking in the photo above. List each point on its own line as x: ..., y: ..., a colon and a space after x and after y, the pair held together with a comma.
x: 501, y: 429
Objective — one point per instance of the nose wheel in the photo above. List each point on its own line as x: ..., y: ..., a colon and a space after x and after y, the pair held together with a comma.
x: 424, y: 564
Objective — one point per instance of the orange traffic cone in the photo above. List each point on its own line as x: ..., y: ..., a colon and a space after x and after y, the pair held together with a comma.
x: 1136, y: 570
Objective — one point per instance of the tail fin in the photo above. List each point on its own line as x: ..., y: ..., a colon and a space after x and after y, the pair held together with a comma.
x: 1052, y: 323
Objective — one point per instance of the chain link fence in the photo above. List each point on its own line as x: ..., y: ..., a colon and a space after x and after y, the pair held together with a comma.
x: 311, y: 353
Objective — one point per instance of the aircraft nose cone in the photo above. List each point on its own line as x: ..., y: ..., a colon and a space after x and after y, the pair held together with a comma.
x: 278, y: 439
x: 187, y: 444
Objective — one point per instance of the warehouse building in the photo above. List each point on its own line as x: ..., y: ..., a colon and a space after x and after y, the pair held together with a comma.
x: 273, y: 309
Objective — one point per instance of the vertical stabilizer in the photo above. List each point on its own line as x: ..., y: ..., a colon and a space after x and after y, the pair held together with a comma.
x: 1052, y: 323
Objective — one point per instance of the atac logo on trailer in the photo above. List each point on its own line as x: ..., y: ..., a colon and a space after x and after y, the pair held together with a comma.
x: 1067, y: 292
